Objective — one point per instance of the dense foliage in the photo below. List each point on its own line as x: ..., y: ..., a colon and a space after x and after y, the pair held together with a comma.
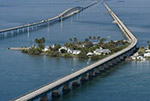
x: 90, y: 44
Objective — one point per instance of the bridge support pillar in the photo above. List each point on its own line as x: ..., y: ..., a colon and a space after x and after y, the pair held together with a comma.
x: 25, y: 30
x: 118, y: 59
x: 55, y: 94
x: 14, y: 32
x: 101, y: 69
x: 114, y: 62
x: 20, y: 31
x: 91, y: 74
x: 75, y: 83
x: 110, y: 64
x: 66, y: 89
x: 97, y: 71
x: 84, y: 78
x: 122, y: 58
x: 106, y: 66
x: 44, y: 98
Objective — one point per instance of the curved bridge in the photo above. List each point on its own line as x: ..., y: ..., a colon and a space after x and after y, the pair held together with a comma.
x: 74, y: 79
x: 9, y: 32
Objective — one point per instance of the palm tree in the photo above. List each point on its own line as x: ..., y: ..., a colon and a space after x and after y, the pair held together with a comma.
x: 90, y: 37
x: 75, y: 40
x: 86, y: 40
x: 94, y: 38
x: 98, y: 38
x: 42, y: 40
x: 102, y: 40
x: 37, y: 41
x: 70, y: 39
x: 148, y: 42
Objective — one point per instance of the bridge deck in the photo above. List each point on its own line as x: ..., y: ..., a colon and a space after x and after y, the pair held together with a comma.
x: 76, y: 74
x: 76, y: 10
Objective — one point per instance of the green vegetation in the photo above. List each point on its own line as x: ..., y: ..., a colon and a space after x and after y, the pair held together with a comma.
x: 79, y: 49
x: 53, y: 53
x: 141, y: 51
x: 83, y: 55
x: 36, y: 51
x: 40, y: 43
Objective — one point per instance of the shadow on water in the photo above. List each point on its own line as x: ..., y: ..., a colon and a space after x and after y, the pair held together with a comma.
x: 84, y: 86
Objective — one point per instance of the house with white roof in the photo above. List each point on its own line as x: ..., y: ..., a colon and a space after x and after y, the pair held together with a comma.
x: 133, y: 57
x: 63, y: 48
x: 147, y: 51
x: 69, y: 51
x: 146, y: 54
x: 90, y: 53
x: 76, y: 52
x: 140, y: 58
x: 46, y: 49
x: 102, y: 51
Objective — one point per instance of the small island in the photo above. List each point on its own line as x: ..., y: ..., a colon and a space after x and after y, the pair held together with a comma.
x: 143, y: 54
x: 92, y: 47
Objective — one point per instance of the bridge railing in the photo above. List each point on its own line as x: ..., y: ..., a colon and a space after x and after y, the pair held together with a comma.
x: 70, y: 10
x: 49, y: 87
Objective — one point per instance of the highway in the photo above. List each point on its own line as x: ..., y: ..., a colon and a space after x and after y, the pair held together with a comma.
x: 65, y: 14
x: 51, y: 86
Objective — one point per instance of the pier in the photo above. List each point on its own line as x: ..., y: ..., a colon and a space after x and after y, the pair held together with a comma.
x: 83, y: 75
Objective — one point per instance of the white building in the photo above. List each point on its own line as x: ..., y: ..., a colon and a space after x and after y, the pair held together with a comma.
x: 140, y: 58
x: 147, y: 51
x: 46, y: 49
x: 90, y: 54
x: 133, y: 57
x: 82, y: 45
x: 53, y: 46
x: 67, y: 49
x: 63, y: 48
x: 102, y: 51
x: 76, y: 52
x: 146, y: 54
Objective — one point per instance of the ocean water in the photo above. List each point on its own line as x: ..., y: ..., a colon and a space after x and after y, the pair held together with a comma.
x: 21, y: 73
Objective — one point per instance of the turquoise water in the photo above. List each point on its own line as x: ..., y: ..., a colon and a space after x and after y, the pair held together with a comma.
x: 21, y: 73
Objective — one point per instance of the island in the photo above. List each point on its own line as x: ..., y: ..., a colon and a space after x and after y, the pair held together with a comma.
x: 93, y: 48
x: 143, y: 54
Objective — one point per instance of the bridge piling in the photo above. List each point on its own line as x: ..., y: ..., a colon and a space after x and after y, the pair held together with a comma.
x: 106, y: 67
x: 91, y: 74
x: 84, y: 78
x: 14, y: 32
x: 44, y: 98
x: 55, y: 94
x: 20, y: 31
x: 101, y: 69
x: 75, y: 83
x: 66, y: 88
x: 110, y: 64
x: 2, y: 35
x: 97, y: 71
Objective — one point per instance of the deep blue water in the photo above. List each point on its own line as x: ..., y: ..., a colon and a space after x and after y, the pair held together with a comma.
x: 21, y: 73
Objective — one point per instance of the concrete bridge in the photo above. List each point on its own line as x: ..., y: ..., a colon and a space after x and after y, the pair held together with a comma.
x: 9, y: 32
x: 75, y: 79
